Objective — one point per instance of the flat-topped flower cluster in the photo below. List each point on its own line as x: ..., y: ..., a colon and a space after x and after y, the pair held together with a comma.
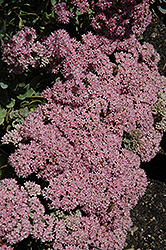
x: 114, y: 20
x: 88, y: 140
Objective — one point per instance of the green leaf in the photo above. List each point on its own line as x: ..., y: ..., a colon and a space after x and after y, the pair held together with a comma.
x: 20, y: 25
x: 141, y: 37
x: 11, y: 104
x: 162, y: 10
x: 13, y: 114
x: 24, y: 104
x: 3, y: 85
x: 35, y: 20
x: 78, y: 13
x: 53, y: 2
x: 3, y: 113
x: 90, y: 11
x: 21, y: 84
x: 33, y: 105
x: 1, y: 1
x: 24, y: 112
x: 8, y: 128
x: 57, y: 79
x: 1, y: 120
x: 27, y: 94
x: 17, y: 121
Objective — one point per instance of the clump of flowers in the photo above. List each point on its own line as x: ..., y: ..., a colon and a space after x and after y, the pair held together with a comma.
x: 14, y: 217
x: 21, y: 212
x: 81, y: 5
x: 83, y: 203
x: 117, y: 21
x: 21, y: 51
x: 62, y: 12
x: 75, y: 141
x: 113, y: 20
x: 5, y: 247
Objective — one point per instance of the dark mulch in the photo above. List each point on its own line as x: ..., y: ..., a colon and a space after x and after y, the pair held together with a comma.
x: 149, y: 220
x: 149, y: 216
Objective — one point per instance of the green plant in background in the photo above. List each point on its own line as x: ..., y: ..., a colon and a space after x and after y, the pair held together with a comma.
x: 20, y: 94
x: 131, y: 140
x: 159, y: 7
x: 14, y: 15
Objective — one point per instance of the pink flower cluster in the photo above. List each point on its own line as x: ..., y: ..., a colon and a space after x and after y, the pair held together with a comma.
x: 75, y: 231
x: 125, y: 91
x: 75, y: 142
x: 81, y: 5
x: 113, y: 19
x: 90, y: 207
x: 119, y: 19
x: 5, y: 247
x: 110, y: 19
x: 21, y: 51
x: 21, y: 212
x: 62, y: 12
x: 102, y: 200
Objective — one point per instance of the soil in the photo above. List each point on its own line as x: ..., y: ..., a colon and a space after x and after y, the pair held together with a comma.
x: 149, y: 216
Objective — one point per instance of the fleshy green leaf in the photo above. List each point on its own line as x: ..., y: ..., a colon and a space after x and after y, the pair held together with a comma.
x: 162, y: 10
x: 1, y: 1
x: 53, y: 2
x: 3, y: 85
x: 27, y: 94
x: 141, y: 37
x: 24, y: 104
x: 17, y: 121
x: 2, y: 113
x: 24, y: 112
x: 21, y: 84
x: 33, y: 105
x: 1, y: 120
x: 8, y: 128
x: 11, y: 104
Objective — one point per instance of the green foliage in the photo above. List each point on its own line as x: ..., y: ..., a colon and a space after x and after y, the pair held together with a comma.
x: 19, y: 98
x: 20, y: 94
x: 159, y: 111
x: 40, y: 15
x: 159, y: 8
x: 131, y: 140
x: 14, y: 15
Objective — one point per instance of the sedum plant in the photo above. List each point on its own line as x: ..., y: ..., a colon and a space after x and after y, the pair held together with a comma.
x: 75, y: 141
x: 77, y: 155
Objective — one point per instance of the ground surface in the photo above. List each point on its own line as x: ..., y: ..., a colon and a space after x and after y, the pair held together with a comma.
x: 149, y: 216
